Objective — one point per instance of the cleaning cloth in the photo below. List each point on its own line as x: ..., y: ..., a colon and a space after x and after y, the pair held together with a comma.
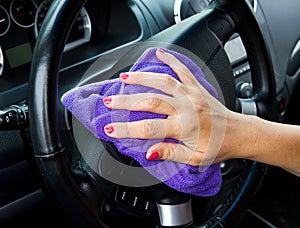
x: 86, y: 104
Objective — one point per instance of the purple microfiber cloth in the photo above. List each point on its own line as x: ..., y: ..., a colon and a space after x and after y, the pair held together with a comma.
x: 86, y: 104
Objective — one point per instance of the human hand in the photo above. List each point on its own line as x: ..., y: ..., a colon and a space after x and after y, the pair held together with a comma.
x: 194, y: 117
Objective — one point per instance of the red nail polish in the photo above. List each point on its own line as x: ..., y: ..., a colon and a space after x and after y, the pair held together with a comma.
x: 161, y: 51
x: 109, y: 129
x: 154, y: 155
x: 124, y: 76
x: 107, y: 100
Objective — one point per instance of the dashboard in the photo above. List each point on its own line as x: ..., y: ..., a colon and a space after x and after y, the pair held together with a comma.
x: 17, y: 41
x: 25, y: 18
x: 93, y: 31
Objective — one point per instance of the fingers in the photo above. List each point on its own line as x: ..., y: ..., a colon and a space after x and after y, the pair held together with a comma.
x: 162, y: 82
x: 178, y: 67
x: 145, y: 129
x: 147, y: 102
x: 174, y: 152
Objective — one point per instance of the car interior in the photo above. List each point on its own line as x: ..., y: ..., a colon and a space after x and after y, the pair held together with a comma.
x: 52, y: 176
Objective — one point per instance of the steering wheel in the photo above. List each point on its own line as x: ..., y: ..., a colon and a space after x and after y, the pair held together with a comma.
x: 89, y: 201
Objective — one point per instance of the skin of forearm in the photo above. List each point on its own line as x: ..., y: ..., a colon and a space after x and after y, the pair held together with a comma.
x: 281, y: 143
x: 265, y: 141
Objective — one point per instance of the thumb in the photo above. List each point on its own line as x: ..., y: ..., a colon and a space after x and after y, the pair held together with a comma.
x: 174, y: 152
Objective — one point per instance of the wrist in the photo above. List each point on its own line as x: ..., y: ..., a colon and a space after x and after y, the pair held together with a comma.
x: 241, y: 135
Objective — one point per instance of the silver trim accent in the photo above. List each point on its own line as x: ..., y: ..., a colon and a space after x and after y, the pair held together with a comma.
x: 49, y: 155
x: 67, y: 122
x: 255, y: 5
x: 244, y: 85
x: 1, y: 62
x: 175, y: 215
x: 235, y: 50
x: 8, y: 21
x: 248, y: 106
x: 296, y: 49
x: 87, y: 26
x: 244, y: 89
x: 17, y: 23
x: 265, y: 221
x: 177, y: 7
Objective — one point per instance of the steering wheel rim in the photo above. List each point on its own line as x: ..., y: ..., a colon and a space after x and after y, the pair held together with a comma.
x: 47, y: 144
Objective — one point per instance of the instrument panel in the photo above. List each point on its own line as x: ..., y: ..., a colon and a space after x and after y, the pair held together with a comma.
x: 22, y: 12
x: 20, y: 22
x: 81, y: 30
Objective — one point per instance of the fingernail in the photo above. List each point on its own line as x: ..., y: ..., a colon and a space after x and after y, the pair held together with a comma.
x: 107, y: 100
x: 124, y: 76
x: 153, y: 155
x: 109, y: 129
x: 161, y: 51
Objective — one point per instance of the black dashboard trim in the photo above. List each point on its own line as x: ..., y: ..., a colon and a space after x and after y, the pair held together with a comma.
x: 14, y: 95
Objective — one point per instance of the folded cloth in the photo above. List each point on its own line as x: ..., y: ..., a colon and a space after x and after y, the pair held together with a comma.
x: 86, y: 104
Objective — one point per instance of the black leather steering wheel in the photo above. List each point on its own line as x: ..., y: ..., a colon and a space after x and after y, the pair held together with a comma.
x: 203, y: 34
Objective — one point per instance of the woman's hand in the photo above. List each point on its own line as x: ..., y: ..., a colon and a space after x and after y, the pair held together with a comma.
x: 195, y: 118
x: 207, y: 130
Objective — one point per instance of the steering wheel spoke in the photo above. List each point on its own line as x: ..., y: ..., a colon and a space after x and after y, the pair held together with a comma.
x: 247, y: 106
x: 175, y: 215
x: 207, y: 30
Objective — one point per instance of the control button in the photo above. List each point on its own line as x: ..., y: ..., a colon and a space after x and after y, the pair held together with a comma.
x: 281, y: 106
x: 123, y: 197
x: 241, y: 70
x: 244, y: 90
x: 135, y: 202
x: 13, y: 117
x: 146, y: 205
